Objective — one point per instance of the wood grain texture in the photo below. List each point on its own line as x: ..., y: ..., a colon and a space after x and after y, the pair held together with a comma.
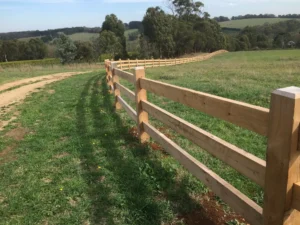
x: 140, y: 95
x: 248, y: 116
x: 115, y: 79
x: 125, y: 75
x: 283, y: 157
x: 244, y: 162
x: 233, y: 197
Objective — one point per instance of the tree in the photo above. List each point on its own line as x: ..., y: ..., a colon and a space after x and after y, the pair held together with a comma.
x: 109, y: 43
x: 297, y: 41
x: 84, y: 51
x: 66, y: 49
x: 116, y: 26
x: 38, y: 48
x: 262, y: 41
x: 158, y: 28
x: 10, y: 50
x: 187, y: 8
x: 221, y: 19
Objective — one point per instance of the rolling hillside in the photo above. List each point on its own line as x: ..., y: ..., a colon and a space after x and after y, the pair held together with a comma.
x: 82, y: 36
x: 240, y: 24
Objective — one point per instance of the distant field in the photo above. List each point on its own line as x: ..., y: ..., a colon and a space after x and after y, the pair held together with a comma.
x: 240, y: 24
x: 82, y: 36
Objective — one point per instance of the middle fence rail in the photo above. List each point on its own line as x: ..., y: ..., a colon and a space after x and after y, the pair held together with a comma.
x: 253, y: 118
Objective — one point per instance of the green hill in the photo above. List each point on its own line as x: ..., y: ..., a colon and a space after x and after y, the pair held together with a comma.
x: 82, y: 36
x: 240, y: 24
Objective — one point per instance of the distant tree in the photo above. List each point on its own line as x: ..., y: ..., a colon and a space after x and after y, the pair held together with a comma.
x: 47, y: 38
x: 110, y: 43
x: 38, y: 48
x: 206, y: 15
x: 66, y: 49
x: 298, y: 41
x: 158, y: 28
x: 244, y: 43
x: 221, y: 19
x: 10, y: 50
x: 135, y: 25
x: 1, y: 51
x: 133, y: 36
x: 187, y: 8
x: 113, y: 24
x: 84, y: 51
x: 263, y: 41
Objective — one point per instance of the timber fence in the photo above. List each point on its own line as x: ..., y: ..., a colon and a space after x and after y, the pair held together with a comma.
x: 279, y: 175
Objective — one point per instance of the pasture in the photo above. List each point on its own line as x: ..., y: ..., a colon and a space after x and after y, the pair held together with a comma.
x: 240, y: 24
x: 83, y: 36
x: 81, y: 163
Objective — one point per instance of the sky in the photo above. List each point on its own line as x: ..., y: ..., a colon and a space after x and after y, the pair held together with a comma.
x: 22, y: 15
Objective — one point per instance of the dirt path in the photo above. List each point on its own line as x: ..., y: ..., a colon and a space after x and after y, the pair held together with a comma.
x: 16, y: 95
x: 33, y: 80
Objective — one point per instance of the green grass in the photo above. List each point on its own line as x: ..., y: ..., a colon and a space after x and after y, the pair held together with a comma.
x: 240, y: 24
x: 78, y: 164
x: 83, y: 36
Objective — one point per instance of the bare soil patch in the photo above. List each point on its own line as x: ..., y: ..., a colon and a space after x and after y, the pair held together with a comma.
x: 6, y: 155
x: 62, y: 155
x: 18, y: 133
x: 51, y: 92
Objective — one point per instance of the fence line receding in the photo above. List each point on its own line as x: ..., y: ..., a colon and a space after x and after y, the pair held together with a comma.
x: 279, y: 176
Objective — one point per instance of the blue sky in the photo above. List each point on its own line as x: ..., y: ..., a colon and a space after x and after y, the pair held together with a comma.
x: 19, y: 15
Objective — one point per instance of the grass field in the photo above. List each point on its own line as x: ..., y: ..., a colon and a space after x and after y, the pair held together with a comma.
x: 78, y: 162
x: 240, y: 24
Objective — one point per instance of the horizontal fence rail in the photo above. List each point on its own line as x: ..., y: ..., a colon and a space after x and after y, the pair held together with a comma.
x: 241, y: 203
x: 245, y: 163
x: 251, y: 117
x: 278, y: 176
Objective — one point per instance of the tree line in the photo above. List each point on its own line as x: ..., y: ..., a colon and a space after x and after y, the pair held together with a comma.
x: 159, y: 35
x: 49, y: 34
x: 188, y: 30
x: 283, y: 34
x: 256, y: 16
x: 14, y: 50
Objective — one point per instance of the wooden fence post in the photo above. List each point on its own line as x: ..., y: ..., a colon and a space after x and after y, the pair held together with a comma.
x: 120, y: 63
x: 106, y: 68
x: 283, y: 158
x: 140, y: 94
x: 115, y: 79
x: 129, y: 64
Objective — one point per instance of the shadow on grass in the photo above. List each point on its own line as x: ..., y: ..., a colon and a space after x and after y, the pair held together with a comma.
x: 136, y: 188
